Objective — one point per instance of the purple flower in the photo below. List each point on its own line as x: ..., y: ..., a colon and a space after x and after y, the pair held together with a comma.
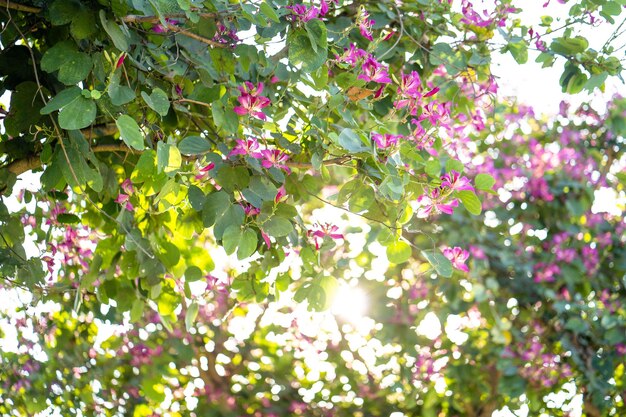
x: 435, y: 202
x: 365, y: 25
x: 123, y: 199
x: 250, y: 100
x: 385, y: 141
x: 458, y: 257
x: 246, y: 147
x: 159, y: 28
x: 353, y: 55
x: 274, y: 158
x: 374, y: 71
x: 455, y: 182
x: 321, y: 231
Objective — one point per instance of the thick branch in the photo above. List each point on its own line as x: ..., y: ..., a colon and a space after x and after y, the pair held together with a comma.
x: 20, y: 7
x: 31, y: 162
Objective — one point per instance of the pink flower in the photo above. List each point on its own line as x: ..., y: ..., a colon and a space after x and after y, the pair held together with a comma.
x: 302, y: 13
x: 321, y: 231
x: 281, y: 195
x: 124, y: 200
x: 435, y: 112
x: 410, y: 85
x: 120, y: 60
x: 127, y: 186
x: 250, y: 100
x: 246, y: 147
x: 458, y: 257
x: 374, y: 71
x: 352, y: 55
x: 435, y: 202
x: 274, y: 158
x: 471, y: 17
x: 204, y: 171
x: 385, y: 141
x: 224, y: 35
x: 455, y: 182
x: 249, y: 209
x: 365, y: 25
x: 159, y: 28
x: 546, y: 273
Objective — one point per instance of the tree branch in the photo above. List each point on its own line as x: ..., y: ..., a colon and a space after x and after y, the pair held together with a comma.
x: 31, y: 162
x: 19, y: 7
x: 133, y: 18
x: 185, y: 32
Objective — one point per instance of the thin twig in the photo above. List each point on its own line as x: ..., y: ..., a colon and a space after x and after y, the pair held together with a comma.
x: 185, y: 32
x: 19, y: 7
x: 401, y: 30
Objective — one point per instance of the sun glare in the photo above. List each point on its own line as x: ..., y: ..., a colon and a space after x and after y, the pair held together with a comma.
x: 350, y: 304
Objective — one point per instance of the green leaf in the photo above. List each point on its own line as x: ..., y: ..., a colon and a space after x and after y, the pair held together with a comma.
x: 57, y: 55
x: 224, y: 118
x: 76, y: 68
x: 169, y: 159
x: 399, y: 252
x: 62, y: 99
x: 232, y: 216
x: 484, y: 182
x: 130, y: 132
x: 569, y: 46
x: 269, y: 12
x: 67, y: 218
x: 231, y: 238
x: 119, y: 94
x: 351, y: 141
x: 157, y: 101
x: 454, y: 165
x: 194, y: 145
x: 190, y: 315
x: 136, y: 311
x: 433, y: 168
x: 259, y: 190
x: 519, y: 50
x: 317, y: 293
x: 442, y: 265
x: 278, y: 226
x: 301, y: 51
x: 119, y: 38
x: 196, y: 197
x: 78, y: 114
x: 247, y: 244
x: 214, y: 207
x: 470, y: 202
x: 248, y: 287
x: 362, y: 199
x: 62, y: 12
x: 24, y: 109
x: 193, y: 273
x: 84, y: 24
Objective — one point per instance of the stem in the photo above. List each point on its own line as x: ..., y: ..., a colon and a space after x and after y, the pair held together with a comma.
x: 19, y: 7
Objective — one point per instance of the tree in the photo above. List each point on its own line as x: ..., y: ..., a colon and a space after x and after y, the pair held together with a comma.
x: 171, y: 134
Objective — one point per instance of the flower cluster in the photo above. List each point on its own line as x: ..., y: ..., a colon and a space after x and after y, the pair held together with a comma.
x: 458, y: 257
x: 251, y: 101
x: 438, y: 199
x: 302, y: 13
x: 270, y: 158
